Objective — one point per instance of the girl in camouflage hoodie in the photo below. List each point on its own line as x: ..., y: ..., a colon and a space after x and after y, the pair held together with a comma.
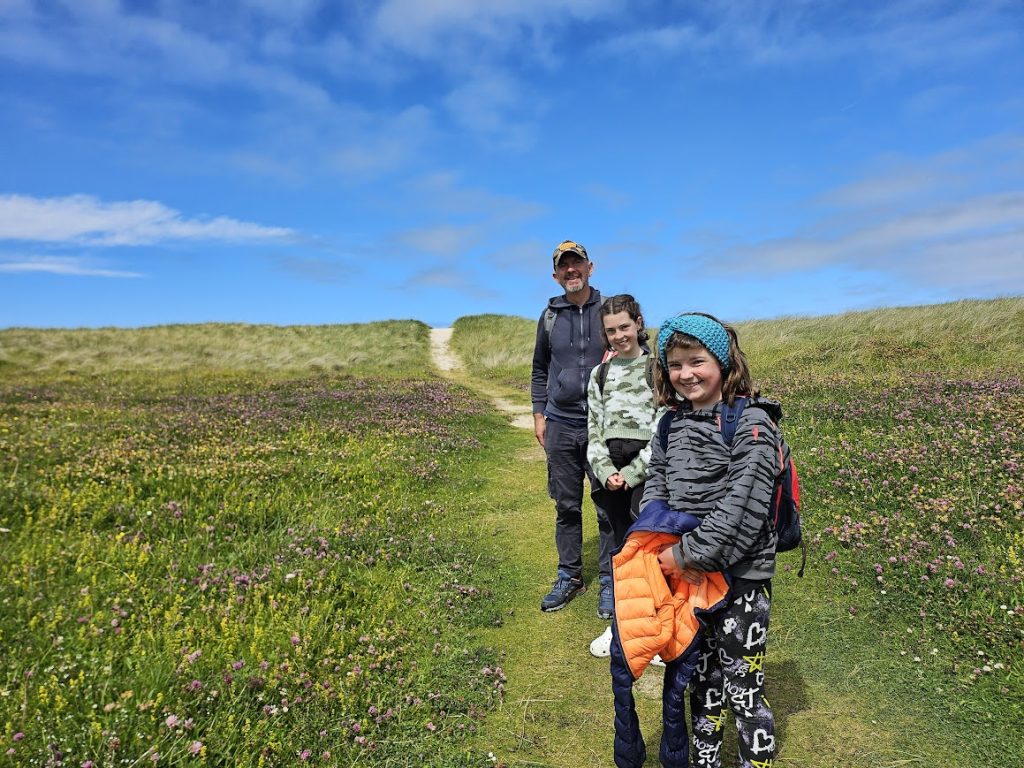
x: 620, y: 419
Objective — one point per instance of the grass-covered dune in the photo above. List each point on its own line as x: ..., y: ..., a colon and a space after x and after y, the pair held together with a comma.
x: 228, y: 347
x: 960, y: 336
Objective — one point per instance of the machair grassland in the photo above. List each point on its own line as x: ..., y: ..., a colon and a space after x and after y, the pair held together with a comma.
x: 247, y: 545
x: 904, y: 643
x: 237, y: 545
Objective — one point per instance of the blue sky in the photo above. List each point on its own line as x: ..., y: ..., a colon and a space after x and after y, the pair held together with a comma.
x: 305, y: 161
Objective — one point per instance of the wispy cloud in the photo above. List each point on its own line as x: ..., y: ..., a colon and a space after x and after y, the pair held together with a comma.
x: 430, y: 30
x: 894, y: 35
x: 57, y: 265
x: 447, y: 193
x: 318, y: 270
x: 927, y: 220
x: 448, y: 278
x: 83, y: 219
x: 493, y: 106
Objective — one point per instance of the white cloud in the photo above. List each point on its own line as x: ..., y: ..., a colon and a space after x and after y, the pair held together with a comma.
x: 430, y: 28
x: 443, y: 240
x: 493, y: 106
x: 931, y: 220
x: 57, y: 265
x: 447, y: 194
x: 84, y: 219
x: 448, y: 278
x: 376, y: 146
x: 885, y: 36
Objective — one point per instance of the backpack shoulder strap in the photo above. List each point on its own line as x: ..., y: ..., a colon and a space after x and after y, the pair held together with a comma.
x: 730, y: 416
x: 602, y: 375
x: 664, y: 423
x: 549, y: 320
x: 649, y: 370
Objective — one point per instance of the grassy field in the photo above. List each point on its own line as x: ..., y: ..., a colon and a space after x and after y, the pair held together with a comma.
x: 258, y: 566
x: 244, y: 545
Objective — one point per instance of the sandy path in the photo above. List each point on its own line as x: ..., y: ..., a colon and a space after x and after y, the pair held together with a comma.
x: 445, y: 360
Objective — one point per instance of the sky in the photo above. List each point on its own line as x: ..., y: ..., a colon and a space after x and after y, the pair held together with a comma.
x: 309, y: 162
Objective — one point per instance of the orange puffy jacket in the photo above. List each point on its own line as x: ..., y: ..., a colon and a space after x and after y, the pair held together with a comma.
x: 654, y: 616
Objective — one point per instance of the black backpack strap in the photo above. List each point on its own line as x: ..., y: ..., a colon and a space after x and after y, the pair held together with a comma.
x: 664, y: 423
x: 602, y: 375
x: 730, y: 417
x: 549, y: 321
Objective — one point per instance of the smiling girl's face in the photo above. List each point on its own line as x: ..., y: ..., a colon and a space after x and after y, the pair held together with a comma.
x: 621, y: 332
x: 696, y: 375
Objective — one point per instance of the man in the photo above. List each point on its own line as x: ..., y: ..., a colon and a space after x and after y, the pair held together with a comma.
x: 570, y: 342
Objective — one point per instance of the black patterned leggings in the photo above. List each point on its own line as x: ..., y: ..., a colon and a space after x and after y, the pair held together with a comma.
x: 730, y: 675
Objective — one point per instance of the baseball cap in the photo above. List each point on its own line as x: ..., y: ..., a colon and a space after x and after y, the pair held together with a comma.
x: 569, y: 246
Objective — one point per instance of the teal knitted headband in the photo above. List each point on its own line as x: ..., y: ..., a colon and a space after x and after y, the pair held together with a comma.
x: 708, y: 332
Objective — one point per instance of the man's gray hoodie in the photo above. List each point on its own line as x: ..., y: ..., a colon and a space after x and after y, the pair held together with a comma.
x: 563, y: 359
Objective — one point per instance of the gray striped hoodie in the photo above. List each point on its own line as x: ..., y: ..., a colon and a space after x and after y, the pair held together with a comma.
x: 730, y: 490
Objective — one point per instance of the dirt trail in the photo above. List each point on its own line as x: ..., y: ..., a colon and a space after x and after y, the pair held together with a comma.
x: 446, y: 361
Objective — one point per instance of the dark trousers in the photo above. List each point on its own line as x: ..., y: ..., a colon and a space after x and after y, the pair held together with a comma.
x: 616, y: 510
x: 730, y: 676
x: 566, y: 449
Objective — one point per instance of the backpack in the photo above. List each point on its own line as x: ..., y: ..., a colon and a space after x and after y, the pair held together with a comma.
x: 549, y: 320
x: 604, y: 365
x: 784, y: 508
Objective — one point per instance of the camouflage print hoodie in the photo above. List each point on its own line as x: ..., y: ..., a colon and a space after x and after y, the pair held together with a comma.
x: 625, y: 410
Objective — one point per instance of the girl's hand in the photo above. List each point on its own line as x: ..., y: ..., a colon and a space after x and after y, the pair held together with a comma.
x: 667, y: 563
x: 615, y: 482
x: 669, y: 567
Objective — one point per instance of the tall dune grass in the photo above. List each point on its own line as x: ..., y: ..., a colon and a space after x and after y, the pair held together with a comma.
x: 964, y: 335
x: 497, y: 348
x: 269, y: 349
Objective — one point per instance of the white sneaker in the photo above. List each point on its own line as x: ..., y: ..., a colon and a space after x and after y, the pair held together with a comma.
x: 657, y: 662
x: 602, y: 646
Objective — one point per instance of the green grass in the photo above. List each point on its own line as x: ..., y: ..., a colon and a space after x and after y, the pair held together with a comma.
x: 496, y: 348
x: 913, y: 458
x: 964, y: 336
x: 390, y: 345
x: 239, y: 568
x: 371, y: 549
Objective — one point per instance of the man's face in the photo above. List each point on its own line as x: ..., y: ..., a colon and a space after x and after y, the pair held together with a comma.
x: 573, y: 273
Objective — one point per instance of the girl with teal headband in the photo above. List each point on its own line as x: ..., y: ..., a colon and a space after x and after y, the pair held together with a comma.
x: 729, y: 488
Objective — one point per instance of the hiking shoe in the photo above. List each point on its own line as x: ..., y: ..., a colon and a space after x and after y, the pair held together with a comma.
x: 602, y: 646
x: 605, y: 600
x: 564, y: 589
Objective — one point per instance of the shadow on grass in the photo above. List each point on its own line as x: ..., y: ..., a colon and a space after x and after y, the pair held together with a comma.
x: 787, y: 693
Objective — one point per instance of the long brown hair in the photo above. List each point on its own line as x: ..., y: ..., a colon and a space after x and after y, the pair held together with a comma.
x: 736, y: 381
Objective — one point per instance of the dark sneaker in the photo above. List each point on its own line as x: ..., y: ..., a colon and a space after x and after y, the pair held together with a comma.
x: 605, y: 600
x: 564, y: 589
